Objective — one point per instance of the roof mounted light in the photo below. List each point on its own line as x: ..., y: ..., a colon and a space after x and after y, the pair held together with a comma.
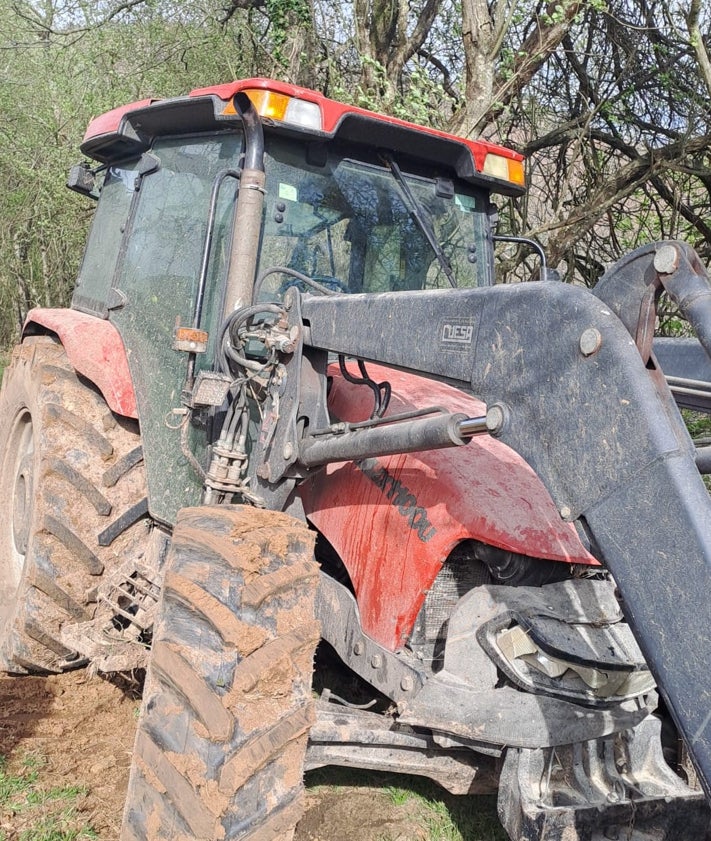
x: 504, y: 168
x: 283, y: 109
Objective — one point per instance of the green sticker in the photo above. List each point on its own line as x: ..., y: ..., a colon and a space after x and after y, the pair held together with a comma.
x: 288, y: 192
x: 465, y: 202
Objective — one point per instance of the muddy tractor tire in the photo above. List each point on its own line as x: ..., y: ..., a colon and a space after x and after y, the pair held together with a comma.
x: 227, y: 704
x: 72, y: 503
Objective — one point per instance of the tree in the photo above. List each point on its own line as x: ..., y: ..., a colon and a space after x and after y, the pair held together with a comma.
x: 63, y: 63
x: 609, y: 99
x: 625, y: 118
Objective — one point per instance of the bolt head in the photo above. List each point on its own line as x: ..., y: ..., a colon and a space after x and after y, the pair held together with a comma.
x: 590, y: 341
x: 666, y: 260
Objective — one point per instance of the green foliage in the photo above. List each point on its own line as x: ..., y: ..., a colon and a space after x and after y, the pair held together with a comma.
x: 284, y: 15
x: 63, y: 63
x: 419, y: 101
x: 56, y: 76
x: 698, y: 424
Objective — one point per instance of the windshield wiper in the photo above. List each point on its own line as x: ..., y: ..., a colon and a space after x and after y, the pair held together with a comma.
x: 422, y: 217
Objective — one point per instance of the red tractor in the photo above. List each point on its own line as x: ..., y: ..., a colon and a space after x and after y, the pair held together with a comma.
x: 289, y: 407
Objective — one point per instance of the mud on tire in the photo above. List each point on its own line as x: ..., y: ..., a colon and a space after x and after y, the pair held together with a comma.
x: 72, y: 503
x: 227, y: 704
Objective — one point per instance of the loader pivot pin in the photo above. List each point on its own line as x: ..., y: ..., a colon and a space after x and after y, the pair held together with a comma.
x: 495, y: 419
x: 666, y: 260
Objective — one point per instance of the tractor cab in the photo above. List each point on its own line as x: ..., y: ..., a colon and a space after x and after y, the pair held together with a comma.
x: 347, y: 201
x: 355, y: 199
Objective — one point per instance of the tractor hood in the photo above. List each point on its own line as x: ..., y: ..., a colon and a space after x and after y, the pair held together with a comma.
x: 394, y: 520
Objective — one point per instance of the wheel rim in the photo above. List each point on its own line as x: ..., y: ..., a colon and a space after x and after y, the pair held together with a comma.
x: 19, y: 468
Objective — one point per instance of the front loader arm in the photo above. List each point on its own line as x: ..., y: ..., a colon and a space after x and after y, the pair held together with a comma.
x: 568, y: 390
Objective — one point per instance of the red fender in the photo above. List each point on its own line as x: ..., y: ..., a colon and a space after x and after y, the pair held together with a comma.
x: 96, y: 351
x: 394, y: 520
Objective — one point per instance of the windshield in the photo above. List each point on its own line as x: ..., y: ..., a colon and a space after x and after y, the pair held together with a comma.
x: 351, y: 226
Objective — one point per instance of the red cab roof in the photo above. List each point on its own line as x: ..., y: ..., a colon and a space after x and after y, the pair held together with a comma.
x: 106, y: 136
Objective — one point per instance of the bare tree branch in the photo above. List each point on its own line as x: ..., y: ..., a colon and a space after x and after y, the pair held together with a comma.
x: 697, y: 42
x: 552, y: 28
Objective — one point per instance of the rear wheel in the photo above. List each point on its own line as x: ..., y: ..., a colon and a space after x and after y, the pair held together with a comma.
x: 227, y: 704
x: 72, y: 503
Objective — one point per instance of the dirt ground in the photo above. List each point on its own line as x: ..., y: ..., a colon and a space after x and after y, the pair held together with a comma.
x: 83, y: 728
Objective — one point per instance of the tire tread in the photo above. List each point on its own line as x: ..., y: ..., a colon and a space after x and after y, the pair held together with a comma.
x: 237, y: 711
x: 76, y: 440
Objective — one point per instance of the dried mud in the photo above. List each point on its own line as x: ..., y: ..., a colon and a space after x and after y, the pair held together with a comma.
x: 83, y: 729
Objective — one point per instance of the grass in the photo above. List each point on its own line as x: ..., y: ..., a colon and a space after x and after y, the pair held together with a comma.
x: 442, y: 816
x: 698, y: 423
x: 448, y: 817
x: 32, y: 811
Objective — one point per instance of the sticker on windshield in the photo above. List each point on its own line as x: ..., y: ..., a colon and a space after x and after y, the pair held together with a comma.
x: 465, y: 202
x: 288, y: 192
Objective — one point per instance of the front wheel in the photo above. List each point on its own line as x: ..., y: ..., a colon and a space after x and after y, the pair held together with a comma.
x: 227, y: 705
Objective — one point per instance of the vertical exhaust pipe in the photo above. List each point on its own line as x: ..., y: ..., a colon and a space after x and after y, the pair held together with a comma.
x: 244, y: 246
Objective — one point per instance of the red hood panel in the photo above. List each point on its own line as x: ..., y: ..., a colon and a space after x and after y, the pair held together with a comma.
x: 394, y: 520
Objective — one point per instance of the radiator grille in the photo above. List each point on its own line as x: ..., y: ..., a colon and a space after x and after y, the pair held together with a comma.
x: 461, y: 572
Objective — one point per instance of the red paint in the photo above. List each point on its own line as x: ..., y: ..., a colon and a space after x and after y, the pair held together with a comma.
x: 393, y: 520
x: 332, y: 113
x: 109, y: 122
x: 482, y: 491
x: 95, y: 349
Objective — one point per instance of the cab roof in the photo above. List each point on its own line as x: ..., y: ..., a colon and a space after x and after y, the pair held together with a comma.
x: 130, y: 130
